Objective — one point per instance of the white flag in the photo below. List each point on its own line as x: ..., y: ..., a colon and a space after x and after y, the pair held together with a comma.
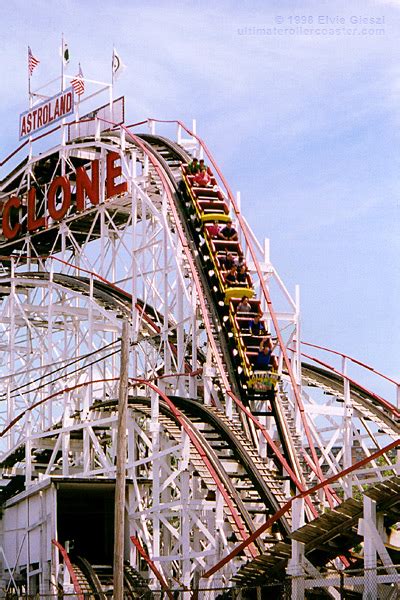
x: 64, y: 51
x: 117, y: 65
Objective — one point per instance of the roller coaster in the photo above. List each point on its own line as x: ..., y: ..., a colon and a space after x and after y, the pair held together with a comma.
x: 248, y: 458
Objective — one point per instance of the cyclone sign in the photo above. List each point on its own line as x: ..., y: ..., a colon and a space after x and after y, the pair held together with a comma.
x: 61, y: 197
x: 46, y: 113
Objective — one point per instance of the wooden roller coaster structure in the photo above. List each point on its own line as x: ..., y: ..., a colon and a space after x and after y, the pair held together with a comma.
x: 226, y: 465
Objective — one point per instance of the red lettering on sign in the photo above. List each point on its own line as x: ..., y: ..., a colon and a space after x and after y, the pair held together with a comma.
x: 62, y: 105
x: 59, y: 183
x: 57, y: 109
x: 39, y: 116
x: 33, y: 222
x: 23, y: 127
x: 59, y: 196
x: 86, y: 187
x: 113, y: 172
x: 68, y: 102
x: 45, y: 113
x: 51, y: 118
x: 8, y: 231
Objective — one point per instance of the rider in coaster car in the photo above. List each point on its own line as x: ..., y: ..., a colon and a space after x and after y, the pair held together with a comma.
x: 193, y: 167
x: 256, y: 326
x: 242, y: 274
x: 244, y: 306
x: 230, y: 277
x: 202, y: 178
x: 265, y: 358
x: 204, y: 167
x: 213, y: 230
x: 229, y: 233
x: 227, y: 261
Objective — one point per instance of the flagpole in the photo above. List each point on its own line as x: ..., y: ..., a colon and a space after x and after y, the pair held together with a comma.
x: 112, y: 87
x: 29, y: 82
x: 63, y: 135
x: 79, y: 97
x: 30, y: 103
x: 62, y: 62
x: 112, y: 66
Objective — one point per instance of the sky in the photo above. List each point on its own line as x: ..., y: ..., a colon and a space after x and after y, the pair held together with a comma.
x: 299, y: 103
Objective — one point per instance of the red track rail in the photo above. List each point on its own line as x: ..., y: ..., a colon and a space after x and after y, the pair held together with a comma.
x: 152, y: 566
x: 179, y: 417
x: 384, y: 403
x: 354, y: 360
x: 67, y: 562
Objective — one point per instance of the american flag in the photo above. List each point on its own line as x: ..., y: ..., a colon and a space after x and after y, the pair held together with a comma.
x: 78, y: 83
x: 32, y: 62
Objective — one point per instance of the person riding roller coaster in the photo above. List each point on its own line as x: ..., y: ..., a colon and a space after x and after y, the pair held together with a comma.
x: 204, y: 167
x: 213, y: 230
x: 244, y: 306
x: 256, y: 326
x: 228, y: 233
x: 242, y: 274
x: 227, y: 261
x: 202, y: 178
x: 230, y: 277
x: 265, y: 359
x: 193, y: 167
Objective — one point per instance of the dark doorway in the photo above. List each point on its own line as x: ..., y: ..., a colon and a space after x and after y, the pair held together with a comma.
x: 85, y: 517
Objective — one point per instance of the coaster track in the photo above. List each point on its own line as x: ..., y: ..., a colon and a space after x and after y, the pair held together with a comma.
x: 225, y: 443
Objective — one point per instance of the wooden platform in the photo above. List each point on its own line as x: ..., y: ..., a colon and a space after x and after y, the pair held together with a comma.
x: 332, y: 534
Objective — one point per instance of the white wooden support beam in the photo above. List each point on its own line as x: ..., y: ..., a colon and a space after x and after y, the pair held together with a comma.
x: 367, y: 529
x: 347, y: 432
x: 185, y: 533
x: 370, y: 559
x: 295, y: 566
x: 309, y: 568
